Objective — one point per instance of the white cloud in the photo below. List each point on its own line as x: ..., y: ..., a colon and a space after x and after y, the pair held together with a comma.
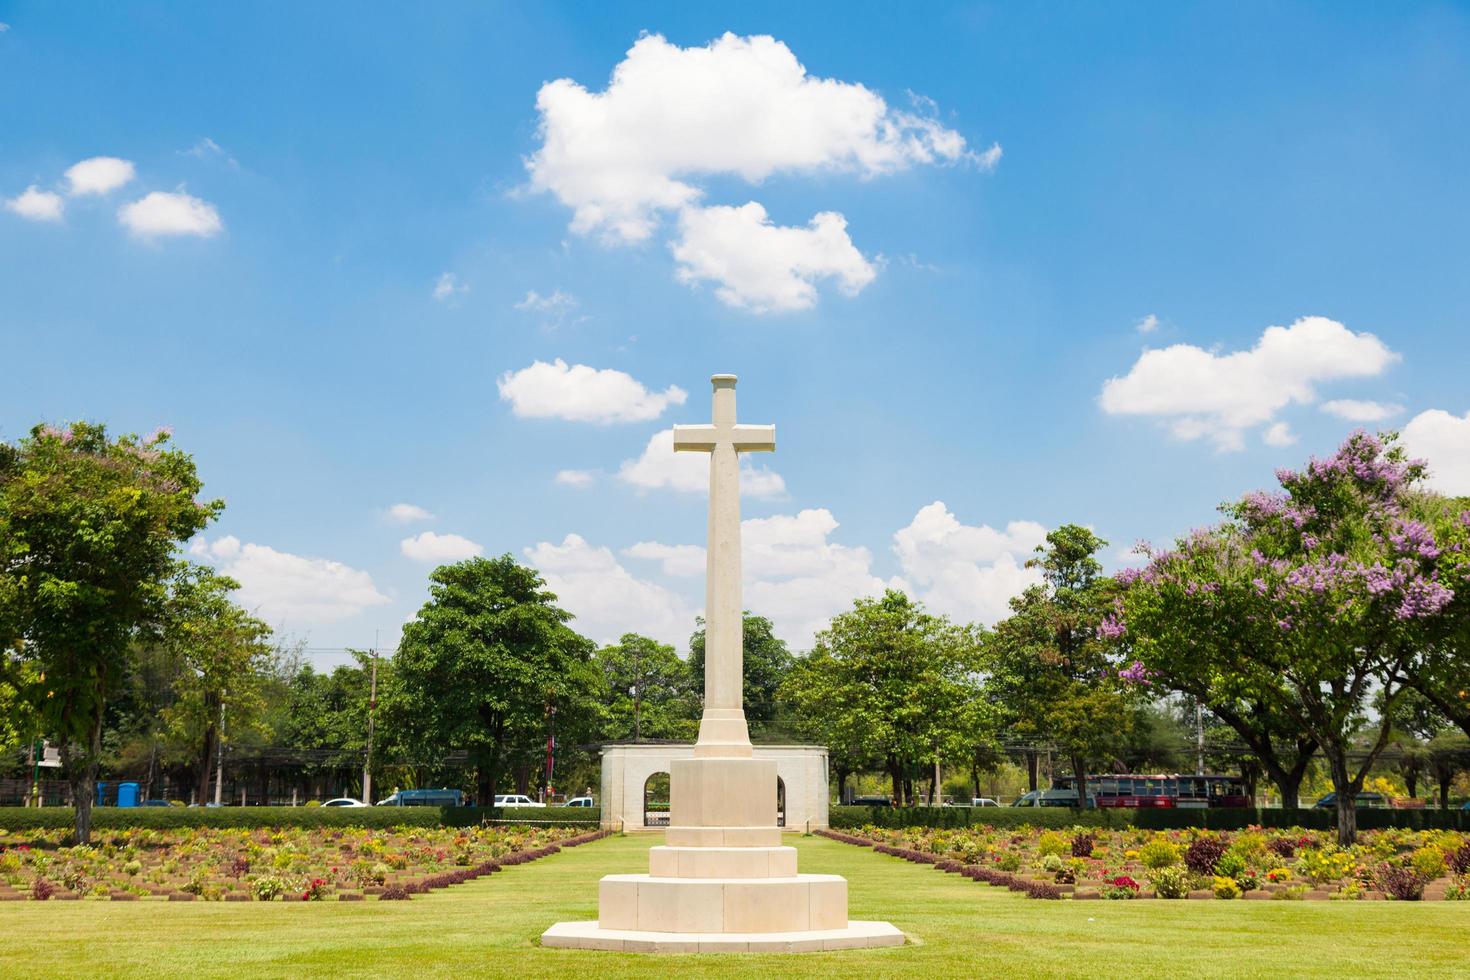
x: 207, y: 148
x: 743, y: 107
x: 574, y: 478
x: 1201, y: 393
x: 439, y: 548
x: 606, y: 598
x: 578, y: 393
x: 1148, y: 324
x: 34, y: 204
x: 1279, y: 434
x: 448, y: 286
x: 1444, y: 441
x: 968, y: 573
x: 763, y: 267
x: 408, y: 513
x: 660, y: 467
x: 1361, y: 411
x: 161, y: 213
x: 799, y: 578
x: 678, y: 560
x: 98, y: 175
x: 556, y: 302
x: 284, y: 588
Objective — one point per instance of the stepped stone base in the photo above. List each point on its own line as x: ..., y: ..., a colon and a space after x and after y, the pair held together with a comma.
x: 590, y: 935
x: 706, y: 905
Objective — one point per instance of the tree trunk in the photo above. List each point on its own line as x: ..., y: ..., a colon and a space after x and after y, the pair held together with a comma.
x: 206, y: 760
x: 1033, y: 765
x: 1445, y: 777
x: 896, y: 776
x: 1347, y: 798
x: 841, y: 786
x: 1411, y: 781
x: 1289, y: 784
x: 1079, y: 772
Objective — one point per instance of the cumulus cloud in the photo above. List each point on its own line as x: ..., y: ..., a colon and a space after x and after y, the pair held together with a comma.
x: 34, y: 204
x: 1361, y: 411
x: 447, y: 286
x: 1148, y: 324
x: 578, y: 393
x: 1204, y: 394
x: 162, y: 214
x: 605, y: 597
x: 672, y: 118
x: 289, y: 589
x: 98, y: 175
x: 678, y: 560
x: 1444, y: 441
x: 763, y: 267
x: 659, y: 467
x: 440, y: 549
x: 1278, y: 434
x: 967, y: 572
x: 574, y: 478
x: 408, y: 513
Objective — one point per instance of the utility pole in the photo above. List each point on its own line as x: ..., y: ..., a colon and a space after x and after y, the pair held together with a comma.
x: 637, y: 692
x: 219, y: 755
x: 367, y: 766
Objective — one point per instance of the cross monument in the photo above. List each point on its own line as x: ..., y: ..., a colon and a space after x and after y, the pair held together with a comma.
x: 723, y: 880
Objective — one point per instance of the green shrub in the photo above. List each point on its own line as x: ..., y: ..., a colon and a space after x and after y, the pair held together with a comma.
x: 1226, y: 887
x: 1053, y: 843
x: 1158, y: 854
x: 268, y: 887
x: 949, y: 817
x: 1429, y: 862
x: 1171, y: 881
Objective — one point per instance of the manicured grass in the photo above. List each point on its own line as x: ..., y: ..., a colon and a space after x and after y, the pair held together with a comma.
x: 490, y: 927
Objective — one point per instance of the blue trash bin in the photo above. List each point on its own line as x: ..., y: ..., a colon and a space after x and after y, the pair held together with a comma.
x: 127, y: 794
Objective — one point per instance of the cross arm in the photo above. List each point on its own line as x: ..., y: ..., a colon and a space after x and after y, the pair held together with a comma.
x: 754, y: 438
x: 694, y: 438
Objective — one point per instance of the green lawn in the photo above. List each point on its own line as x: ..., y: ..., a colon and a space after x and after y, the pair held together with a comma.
x: 956, y: 927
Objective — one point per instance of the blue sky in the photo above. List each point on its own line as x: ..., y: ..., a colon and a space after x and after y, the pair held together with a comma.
x: 326, y: 241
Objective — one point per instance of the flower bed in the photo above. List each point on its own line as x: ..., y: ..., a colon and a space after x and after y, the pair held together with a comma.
x: 1401, y: 865
x: 289, y: 864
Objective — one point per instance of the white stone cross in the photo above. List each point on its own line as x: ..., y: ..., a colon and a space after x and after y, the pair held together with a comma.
x: 722, y: 730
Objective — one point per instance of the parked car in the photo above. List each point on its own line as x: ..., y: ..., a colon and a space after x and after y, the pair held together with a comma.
x: 871, y: 801
x: 344, y: 801
x: 581, y: 801
x: 1028, y: 799
x: 516, y: 800
x: 983, y: 801
x: 1374, y: 801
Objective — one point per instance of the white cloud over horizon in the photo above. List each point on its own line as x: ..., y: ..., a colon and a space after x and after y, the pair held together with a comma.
x: 671, y: 118
x: 966, y: 572
x: 1443, y: 440
x: 606, y: 599
x: 1201, y: 393
x: 288, y: 589
x: 659, y: 467
x: 439, y: 549
x: 579, y: 393
x: 1355, y: 410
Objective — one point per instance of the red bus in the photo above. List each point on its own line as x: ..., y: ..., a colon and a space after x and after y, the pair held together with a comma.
x: 1164, y: 790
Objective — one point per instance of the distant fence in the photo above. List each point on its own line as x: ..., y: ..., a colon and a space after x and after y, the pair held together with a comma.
x: 848, y: 817
x: 108, y: 817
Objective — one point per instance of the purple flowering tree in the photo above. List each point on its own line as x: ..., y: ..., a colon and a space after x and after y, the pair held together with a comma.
x: 1315, y: 602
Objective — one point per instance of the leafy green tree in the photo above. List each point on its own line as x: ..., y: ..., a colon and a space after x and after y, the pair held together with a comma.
x: 766, y: 661
x: 89, y: 527
x: 650, y: 691
x: 1049, y: 663
x: 483, y: 662
x: 223, y: 652
x: 1330, y: 591
x: 889, y: 682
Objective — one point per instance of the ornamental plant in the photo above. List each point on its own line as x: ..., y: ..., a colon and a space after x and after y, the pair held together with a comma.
x: 1158, y: 853
x: 268, y: 887
x: 1121, y: 887
x: 1400, y: 883
x: 1226, y: 887
x: 1429, y: 862
x: 1202, y: 855
x: 1170, y: 882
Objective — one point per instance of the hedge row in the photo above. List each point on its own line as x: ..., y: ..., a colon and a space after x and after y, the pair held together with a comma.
x: 108, y: 817
x: 1161, y: 819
